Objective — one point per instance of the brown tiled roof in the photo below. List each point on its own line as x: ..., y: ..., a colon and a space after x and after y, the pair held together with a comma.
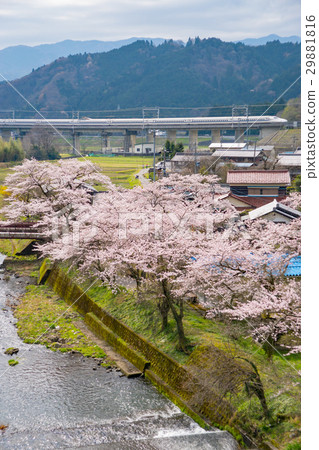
x: 254, y: 202
x: 258, y: 177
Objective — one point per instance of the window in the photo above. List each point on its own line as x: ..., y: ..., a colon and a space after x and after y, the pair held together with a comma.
x: 239, y: 190
x: 282, y: 191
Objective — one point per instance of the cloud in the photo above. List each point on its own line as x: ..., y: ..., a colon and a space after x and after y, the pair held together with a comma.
x: 34, y: 21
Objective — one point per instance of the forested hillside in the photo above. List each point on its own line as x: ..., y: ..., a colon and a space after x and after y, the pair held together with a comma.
x: 201, y: 73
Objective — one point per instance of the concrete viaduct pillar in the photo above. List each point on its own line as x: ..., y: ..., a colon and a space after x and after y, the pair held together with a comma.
x: 193, y: 140
x: 133, y: 140
x: 6, y: 135
x: 215, y: 135
x: 129, y: 140
x: 171, y: 136
x: 76, y: 150
x: 240, y: 134
x: 267, y: 132
x: 105, y: 141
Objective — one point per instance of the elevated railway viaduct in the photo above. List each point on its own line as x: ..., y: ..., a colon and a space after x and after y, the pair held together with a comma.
x: 267, y: 125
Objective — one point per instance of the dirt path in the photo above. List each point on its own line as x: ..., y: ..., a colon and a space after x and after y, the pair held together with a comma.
x: 144, y: 181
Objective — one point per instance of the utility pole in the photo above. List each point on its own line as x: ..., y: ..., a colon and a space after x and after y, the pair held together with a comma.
x: 255, y: 152
x: 195, y: 158
x: 238, y: 110
x: 154, y: 156
x: 164, y: 160
x: 157, y: 112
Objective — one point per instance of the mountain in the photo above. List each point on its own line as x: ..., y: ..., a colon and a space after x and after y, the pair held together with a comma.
x: 271, y: 37
x: 19, y: 60
x: 201, y: 73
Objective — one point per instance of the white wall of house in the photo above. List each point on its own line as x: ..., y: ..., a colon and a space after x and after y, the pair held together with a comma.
x: 144, y: 148
x: 276, y: 217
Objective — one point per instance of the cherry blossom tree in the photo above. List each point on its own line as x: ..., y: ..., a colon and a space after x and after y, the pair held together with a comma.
x: 44, y: 192
x: 242, y: 276
x: 150, y: 234
x: 293, y: 200
x: 173, y: 234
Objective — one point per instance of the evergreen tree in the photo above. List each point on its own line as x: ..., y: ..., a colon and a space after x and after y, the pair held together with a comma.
x: 11, y: 151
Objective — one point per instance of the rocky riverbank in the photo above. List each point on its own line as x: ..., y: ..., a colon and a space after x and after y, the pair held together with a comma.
x: 43, y: 318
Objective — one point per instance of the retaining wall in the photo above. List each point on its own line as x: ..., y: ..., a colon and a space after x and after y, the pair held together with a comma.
x: 171, y: 378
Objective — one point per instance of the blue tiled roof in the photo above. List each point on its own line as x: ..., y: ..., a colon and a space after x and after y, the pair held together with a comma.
x: 294, y: 267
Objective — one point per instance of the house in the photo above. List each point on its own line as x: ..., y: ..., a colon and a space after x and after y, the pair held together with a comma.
x: 146, y: 148
x: 290, y: 161
x: 183, y: 161
x: 250, y: 189
x: 217, y: 146
x: 239, y: 146
x: 244, y: 203
x: 240, y: 158
x: 259, y: 183
x: 274, y: 211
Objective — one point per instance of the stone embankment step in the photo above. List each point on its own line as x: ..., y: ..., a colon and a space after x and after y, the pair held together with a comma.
x: 122, y: 363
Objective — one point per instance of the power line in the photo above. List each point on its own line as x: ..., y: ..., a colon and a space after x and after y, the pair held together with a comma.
x: 124, y: 110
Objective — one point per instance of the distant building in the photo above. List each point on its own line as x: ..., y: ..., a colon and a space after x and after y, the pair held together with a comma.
x: 214, y: 146
x: 217, y: 146
x: 290, y: 161
x: 146, y: 148
x: 183, y: 161
x: 239, y: 157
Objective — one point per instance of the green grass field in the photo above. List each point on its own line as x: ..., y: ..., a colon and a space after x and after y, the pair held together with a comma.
x: 122, y: 169
x: 5, y: 169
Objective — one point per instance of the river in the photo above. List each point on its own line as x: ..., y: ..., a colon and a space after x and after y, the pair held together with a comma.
x: 54, y: 400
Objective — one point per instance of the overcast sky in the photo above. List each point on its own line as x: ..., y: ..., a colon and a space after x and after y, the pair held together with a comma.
x: 34, y: 22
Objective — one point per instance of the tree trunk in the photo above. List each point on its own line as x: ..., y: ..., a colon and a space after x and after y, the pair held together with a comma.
x: 163, y: 307
x: 269, y: 347
x: 255, y: 385
x: 137, y: 275
x: 178, y: 317
x: 182, y: 344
